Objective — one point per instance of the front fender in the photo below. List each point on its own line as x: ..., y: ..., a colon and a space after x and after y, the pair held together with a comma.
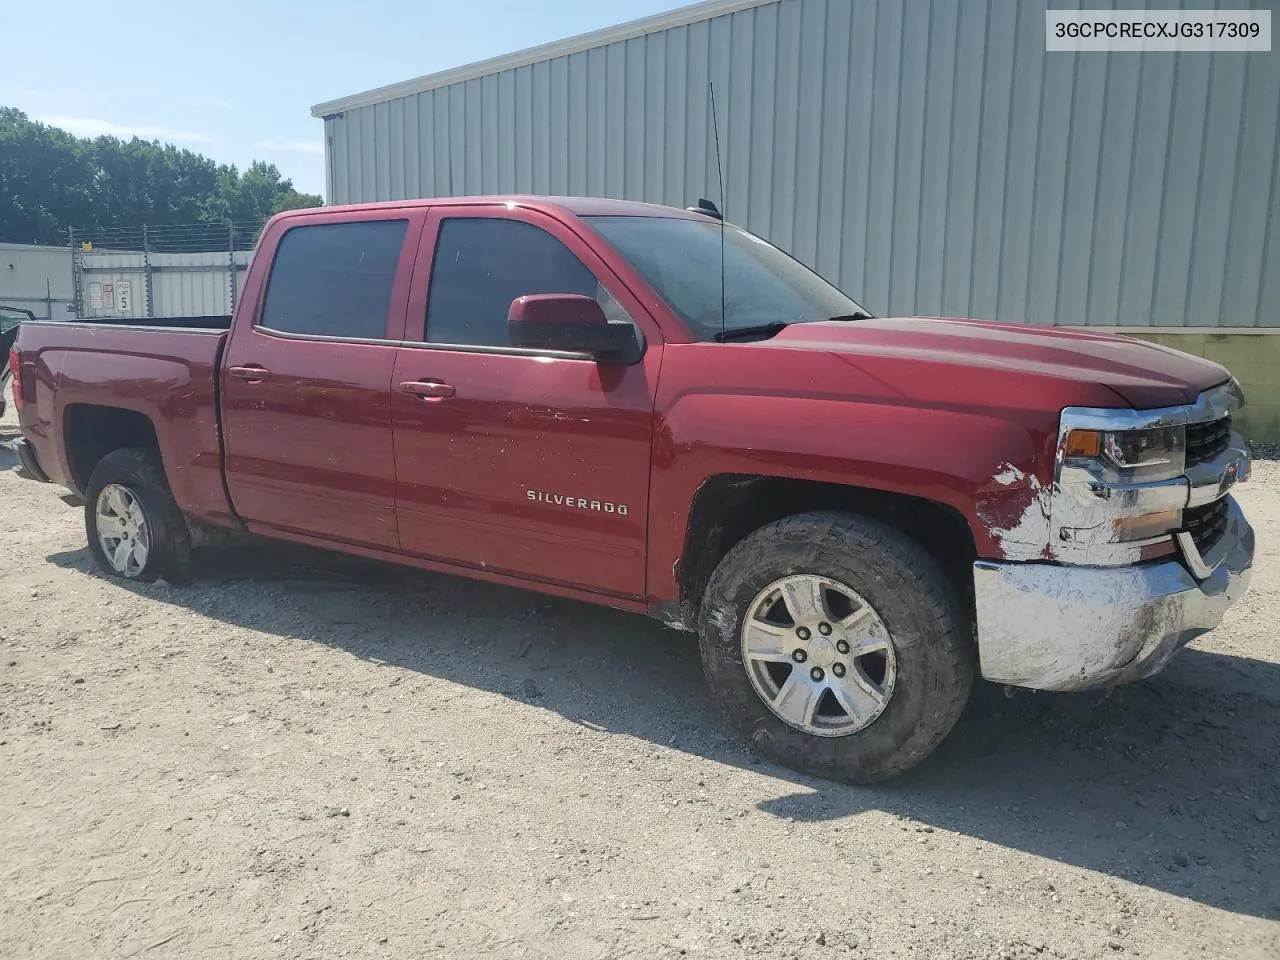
x: 991, y: 466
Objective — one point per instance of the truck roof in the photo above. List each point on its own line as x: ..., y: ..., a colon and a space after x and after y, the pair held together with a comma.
x: 577, y: 206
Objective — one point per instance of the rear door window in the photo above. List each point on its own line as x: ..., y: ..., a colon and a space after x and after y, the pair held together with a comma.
x: 334, y: 279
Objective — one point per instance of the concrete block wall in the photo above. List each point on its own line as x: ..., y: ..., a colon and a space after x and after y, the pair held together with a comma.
x: 1253, y: 356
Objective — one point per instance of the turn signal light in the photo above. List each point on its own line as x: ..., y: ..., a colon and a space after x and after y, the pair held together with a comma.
x: 1083, y: 443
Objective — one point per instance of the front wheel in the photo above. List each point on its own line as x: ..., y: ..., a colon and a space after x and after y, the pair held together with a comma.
x: 836, y: 646
x: 135, y: 528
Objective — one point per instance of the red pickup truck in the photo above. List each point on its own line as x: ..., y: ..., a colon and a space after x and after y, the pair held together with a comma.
x: 647, y: 408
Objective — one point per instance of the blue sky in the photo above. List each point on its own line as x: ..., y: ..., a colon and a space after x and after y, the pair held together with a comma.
x: 237, y: 81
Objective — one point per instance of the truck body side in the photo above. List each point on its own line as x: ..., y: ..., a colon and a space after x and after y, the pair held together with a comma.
x: 712, y: 422
x: 89, y: 388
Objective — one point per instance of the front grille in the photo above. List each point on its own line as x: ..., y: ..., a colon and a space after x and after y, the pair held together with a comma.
x: 1206, y: 524
x: 1205, y: 441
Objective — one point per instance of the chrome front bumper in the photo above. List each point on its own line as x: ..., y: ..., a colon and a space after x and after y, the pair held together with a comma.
x: 1060, y: 627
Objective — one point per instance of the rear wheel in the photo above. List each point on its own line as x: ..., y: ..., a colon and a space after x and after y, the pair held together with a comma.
x: 835, y: 645
x: 135, y: 529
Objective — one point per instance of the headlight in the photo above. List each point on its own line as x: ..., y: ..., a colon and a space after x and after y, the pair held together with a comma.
x: 1128, y: 456
x: 1120, y: 483
x: 1235, y: 392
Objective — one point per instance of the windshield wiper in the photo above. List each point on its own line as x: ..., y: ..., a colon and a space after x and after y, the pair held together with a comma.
x: 761, y: 330
x: 765, y: 330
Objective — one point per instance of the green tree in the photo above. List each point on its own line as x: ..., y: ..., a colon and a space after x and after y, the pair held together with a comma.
x: 46, y: 180
x: 255, y: 195
x: 51, y: 181
x: 143, y: 182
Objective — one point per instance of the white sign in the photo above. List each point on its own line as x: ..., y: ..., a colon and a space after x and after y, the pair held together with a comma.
x: 109, y: 296
x: 124, y: 297
x: 1172, y: 31
x: 95, y: 296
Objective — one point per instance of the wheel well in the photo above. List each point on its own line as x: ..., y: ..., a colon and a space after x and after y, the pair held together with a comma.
x: 93, y: 432
x: 729, y: 507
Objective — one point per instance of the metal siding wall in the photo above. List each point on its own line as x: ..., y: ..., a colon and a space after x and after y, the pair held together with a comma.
x: 926, y: 155
x: 1253, y: 250
x: 182, y: 284
x: 24, y: 269
x: 112, y: 268
x: 195, y: 284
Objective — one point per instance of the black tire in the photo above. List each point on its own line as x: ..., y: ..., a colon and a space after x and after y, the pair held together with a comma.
x: 934, y: 650
x: 5, y: 377
x: 141, y: 473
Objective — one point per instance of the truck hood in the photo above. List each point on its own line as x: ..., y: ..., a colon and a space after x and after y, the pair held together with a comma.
x: 1144, y: 375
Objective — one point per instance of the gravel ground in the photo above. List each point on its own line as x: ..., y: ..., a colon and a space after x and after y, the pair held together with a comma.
x: 306, y: 756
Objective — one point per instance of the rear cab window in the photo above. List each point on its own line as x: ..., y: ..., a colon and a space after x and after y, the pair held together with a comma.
x: 334, y: 279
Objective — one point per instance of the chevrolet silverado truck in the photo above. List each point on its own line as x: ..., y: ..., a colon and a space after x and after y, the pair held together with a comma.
x: 647, y: 408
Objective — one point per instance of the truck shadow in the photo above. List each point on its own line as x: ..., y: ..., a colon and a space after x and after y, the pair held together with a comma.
x: 1171, y: 783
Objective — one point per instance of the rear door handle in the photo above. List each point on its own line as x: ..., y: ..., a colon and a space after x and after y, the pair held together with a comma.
x: 433, y: 390
x: 249, y: 374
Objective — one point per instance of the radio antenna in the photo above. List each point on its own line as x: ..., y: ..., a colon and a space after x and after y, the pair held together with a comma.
x: 715, y: 127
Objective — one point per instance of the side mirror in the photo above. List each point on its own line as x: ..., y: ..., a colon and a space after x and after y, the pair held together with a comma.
x: 571, y: 323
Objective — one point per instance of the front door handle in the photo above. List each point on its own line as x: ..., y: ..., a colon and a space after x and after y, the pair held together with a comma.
x: 431, y: 390
x: 249, y: 374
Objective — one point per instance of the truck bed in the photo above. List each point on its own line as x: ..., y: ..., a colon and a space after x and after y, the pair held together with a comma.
x: 216, y: 322
x: 72, y: 370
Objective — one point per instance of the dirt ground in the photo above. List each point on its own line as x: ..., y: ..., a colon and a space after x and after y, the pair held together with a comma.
x: 306, y: 756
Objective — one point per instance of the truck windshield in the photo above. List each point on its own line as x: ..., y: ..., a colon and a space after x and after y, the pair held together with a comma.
x: 680, y: 258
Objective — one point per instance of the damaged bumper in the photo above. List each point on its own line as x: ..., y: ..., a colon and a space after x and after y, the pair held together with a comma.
x: 1057, y: 627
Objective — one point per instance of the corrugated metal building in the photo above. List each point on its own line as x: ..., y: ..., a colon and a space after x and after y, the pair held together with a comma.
x: 37, y: 279
x: 927, y: 155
